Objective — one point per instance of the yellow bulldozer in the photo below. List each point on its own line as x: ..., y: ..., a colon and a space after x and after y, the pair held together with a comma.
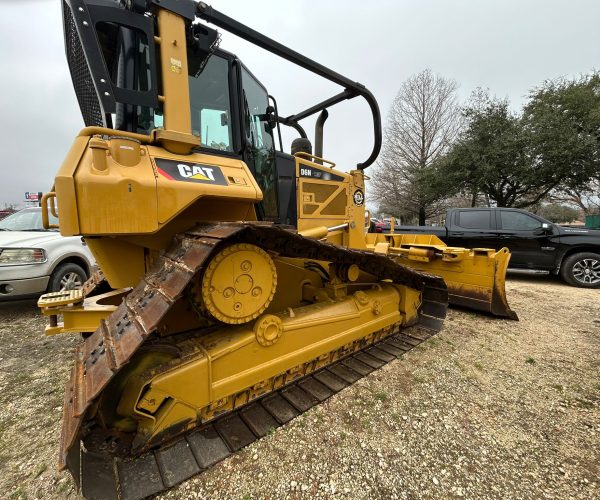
x: 238, y: 286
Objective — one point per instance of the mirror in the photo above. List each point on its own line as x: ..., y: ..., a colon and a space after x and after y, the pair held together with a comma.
x: 270, y: 118
x: 545, y: 228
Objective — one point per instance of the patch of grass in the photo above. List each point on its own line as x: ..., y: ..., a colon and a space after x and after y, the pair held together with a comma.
x: 381, y: 396
x: 558, y: 387
x: 479, y: 366
x: 40, y: 469
x: 65, y: 487
x: 271, y: 431
x: 18, y: 494
x: 418, y: 379
x: 530, y: 361
x: 358, y: 402
x: 459, y: 366
x: 584, y: 403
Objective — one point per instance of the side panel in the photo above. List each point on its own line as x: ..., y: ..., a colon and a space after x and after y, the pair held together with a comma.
x: 286, y: 188
x: 181, y: 180
x: 113, y: 198
x: 64, y: 186
x: 110, y: 193
x: 328, y: 197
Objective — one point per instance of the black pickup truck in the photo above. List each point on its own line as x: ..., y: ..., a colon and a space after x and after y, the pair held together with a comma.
x: 535, y: 243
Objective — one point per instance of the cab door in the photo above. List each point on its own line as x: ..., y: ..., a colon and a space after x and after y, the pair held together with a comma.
x: 258, y: 148
x: 531, y: 246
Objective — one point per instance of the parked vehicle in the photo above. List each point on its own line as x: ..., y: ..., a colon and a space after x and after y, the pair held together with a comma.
x: 376, y: 226
x: 6, y: 212
x: 34, y: 260
x: 534, y: 242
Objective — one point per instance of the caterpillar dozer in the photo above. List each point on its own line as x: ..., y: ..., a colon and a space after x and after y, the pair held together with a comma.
x: 237, y: 286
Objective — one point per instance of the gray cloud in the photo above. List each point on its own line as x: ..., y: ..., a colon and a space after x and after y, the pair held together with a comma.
x: 508, y: 46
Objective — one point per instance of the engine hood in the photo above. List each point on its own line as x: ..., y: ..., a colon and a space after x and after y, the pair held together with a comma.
x: 26, y: 239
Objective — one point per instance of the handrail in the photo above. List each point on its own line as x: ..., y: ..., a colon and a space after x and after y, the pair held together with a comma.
x: 44, y: 206
x: 311, y: 157
x: 89, y: 131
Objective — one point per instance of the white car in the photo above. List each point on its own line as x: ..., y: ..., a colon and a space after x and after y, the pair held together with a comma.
x: 34, y: 260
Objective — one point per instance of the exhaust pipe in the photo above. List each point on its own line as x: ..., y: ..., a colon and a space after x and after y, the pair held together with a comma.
x: 323, y: 115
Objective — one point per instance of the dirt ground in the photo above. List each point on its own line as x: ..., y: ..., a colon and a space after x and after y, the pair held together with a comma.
x: 486, y: 409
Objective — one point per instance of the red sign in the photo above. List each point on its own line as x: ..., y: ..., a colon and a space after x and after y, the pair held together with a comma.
x: 32, y: 196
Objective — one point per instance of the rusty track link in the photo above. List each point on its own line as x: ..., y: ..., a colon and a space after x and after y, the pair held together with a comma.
x: 100, y: 357
x: 95, y: 284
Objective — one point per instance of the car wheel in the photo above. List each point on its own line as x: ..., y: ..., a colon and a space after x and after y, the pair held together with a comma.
x: 582, y: 270
x: 67, y: 277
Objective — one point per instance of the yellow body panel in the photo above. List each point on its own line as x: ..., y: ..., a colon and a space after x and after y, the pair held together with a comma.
x: 118, y: 200
x: 174, y: 196
x: 323, y: 202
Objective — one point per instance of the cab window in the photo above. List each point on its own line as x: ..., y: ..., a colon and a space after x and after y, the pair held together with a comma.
x: 211, y: 106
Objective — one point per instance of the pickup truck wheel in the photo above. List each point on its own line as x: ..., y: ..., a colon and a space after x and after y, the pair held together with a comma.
x: 67, y: 276
x: 582, y: 270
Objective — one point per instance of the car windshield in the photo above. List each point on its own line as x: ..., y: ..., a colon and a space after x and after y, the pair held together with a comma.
x: 25, y: 220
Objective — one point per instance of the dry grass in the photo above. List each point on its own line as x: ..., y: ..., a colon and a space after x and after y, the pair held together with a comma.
x: 488, y: 409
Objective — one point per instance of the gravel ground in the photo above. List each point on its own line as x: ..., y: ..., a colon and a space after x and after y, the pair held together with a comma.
x: 486, y: 409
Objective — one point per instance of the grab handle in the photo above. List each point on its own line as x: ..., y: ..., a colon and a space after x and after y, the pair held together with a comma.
x: 44, y: 205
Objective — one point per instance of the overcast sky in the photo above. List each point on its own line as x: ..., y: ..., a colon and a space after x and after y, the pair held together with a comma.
x: 507, y: 46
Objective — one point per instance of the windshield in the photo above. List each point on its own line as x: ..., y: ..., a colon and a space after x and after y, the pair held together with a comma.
x: 25, y: 220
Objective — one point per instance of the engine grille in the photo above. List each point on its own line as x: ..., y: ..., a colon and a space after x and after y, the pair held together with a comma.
x: 80, y: 73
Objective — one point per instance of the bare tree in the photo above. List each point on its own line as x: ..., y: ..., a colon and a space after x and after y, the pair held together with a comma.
x: 586, y: 199
x: 423, y: 121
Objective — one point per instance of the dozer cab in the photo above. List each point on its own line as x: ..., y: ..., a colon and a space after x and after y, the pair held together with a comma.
x: 237, y: 284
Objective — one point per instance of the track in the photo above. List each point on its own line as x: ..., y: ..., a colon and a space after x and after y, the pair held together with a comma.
x: 100, y: 357
x: 104, y: 476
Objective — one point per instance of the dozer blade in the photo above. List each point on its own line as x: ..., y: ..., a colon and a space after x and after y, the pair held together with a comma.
x: 475, y: 277
x: 104, y: 465
x: 475, y: 281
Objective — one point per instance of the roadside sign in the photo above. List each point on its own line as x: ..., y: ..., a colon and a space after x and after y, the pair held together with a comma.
x: 32, y: 196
